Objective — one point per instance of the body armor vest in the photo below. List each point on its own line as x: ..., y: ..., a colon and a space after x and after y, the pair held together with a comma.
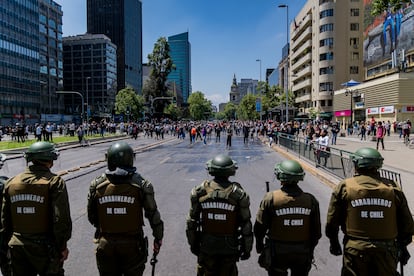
x: 30, y: 206
x: 371, y: 212
x: 219, y: 215
x: 119, y: 208
x: 291, y: 217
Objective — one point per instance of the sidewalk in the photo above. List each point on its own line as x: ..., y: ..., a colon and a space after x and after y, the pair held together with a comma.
x: 397, y: 156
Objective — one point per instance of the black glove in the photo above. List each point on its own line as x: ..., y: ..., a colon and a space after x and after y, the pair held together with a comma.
x: 335, y: 248
x: 195, y: 250
x: 244, y: 256
x: 404, y: 255
x: 259, y: 247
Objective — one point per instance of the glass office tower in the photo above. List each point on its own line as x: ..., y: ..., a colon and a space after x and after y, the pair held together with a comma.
x: 121, y: 21
x: 180, y: 52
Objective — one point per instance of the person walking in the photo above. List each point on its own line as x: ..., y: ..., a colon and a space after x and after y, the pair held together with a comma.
x: 229, y: 130
x: 288, y: 226
x: 35, y: 215
x: 322, y: 147
x: 219, y: 230
x: 374, y: 216
x: 380, y: 134
x: 118, y: 200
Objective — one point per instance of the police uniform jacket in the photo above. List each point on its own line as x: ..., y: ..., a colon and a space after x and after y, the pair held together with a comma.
x: 36, y: 208
x: 117, y: 202
x: 219, y: 214
x: 289, y: 216
x: 370, y: 208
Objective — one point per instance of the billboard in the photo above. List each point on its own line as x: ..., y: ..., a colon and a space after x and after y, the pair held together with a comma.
x: 392, y: 30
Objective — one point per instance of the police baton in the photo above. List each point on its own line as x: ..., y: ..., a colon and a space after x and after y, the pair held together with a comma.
x: 153, y: 262
x: 267, y: 186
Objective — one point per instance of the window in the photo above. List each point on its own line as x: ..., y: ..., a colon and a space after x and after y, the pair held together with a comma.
x: 326, y: 42
x: 326, y: 56
x: 326, y: 28
x: 353, y: 70
x: 354, y: 41
x: 354, y: 27
x: 325, y: 13
x: 354, y: 56
x: 326, y: 70
x: 354, y: 12
x: 326, y: 86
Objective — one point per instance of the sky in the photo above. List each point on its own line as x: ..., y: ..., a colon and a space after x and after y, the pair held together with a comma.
x: 227, y: 36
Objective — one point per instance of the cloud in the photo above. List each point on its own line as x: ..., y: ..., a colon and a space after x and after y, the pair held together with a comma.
x: 217, y: 98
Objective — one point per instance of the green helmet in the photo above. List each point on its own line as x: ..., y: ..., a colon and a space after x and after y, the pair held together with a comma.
x: 221, y: 165
x: 367, y: 158
x: 120, y: 155
x: 42, y: 151
x: 289, y: 171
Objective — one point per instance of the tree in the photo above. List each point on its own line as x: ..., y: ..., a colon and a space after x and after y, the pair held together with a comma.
x: 247, y: 108
x: 161, y: 65
x: 230, y: 111
x: 172, y: 111
x: 129, y: 103
x: 379, y: 6
x: 200, y: 107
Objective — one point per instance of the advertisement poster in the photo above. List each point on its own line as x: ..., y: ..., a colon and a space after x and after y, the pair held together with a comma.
x: 392, y: 30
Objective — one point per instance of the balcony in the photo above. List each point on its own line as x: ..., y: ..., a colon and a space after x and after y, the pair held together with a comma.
x: 303, y: 98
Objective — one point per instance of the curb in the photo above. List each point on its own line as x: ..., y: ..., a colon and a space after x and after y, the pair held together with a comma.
x: 326, y: 178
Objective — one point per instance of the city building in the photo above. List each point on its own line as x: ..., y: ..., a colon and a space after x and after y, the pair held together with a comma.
x: 386, y: 92
x: 90, y: 69
x: 121, y: 21
x: 180, y: 77
x: 326, y: 50
x: 30, y: 57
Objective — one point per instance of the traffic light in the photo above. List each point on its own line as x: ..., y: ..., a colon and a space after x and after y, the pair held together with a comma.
x: 174, y: 100
x: 128, y: 110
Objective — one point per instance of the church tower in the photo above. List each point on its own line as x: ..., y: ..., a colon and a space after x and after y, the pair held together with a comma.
x: 234, y: 92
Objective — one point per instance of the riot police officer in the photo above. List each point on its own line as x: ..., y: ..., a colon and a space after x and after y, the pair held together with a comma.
x: 36, y: 219
x: 287, y: 227
x: 118, y: 200
x: 374, y: 217
x: 219, y: 230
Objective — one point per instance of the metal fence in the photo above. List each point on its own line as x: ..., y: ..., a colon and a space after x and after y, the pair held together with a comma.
x: 336, y: 161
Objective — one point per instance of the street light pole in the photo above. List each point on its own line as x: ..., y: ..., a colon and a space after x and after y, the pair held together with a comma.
x: 77, y: 93
x: 87, y: 99
x: 286, y: 73
x: 260, y: 64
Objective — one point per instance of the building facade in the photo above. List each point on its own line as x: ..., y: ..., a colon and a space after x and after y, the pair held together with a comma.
x: 180, y: 77
x: 326, y: 50
x: 31, y: 61
x: 90, y: 69
x: 121, y: 21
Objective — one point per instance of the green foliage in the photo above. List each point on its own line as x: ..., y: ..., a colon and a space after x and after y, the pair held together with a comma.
x: 161, y: 65
x: 173, y: 111
x: 200, y: 107
x: 220, y: 116
x: 379, y: 6
x: 271, y: 97
x: 247, y: 108
x: 230, y: 111
x: 127, y: 101
x: 313, y: 113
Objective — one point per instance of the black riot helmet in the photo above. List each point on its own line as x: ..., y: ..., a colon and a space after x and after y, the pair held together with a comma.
x: 221, y: 165
x: 289, y: 171
x: 120, y: 155
x: 41, y: 151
